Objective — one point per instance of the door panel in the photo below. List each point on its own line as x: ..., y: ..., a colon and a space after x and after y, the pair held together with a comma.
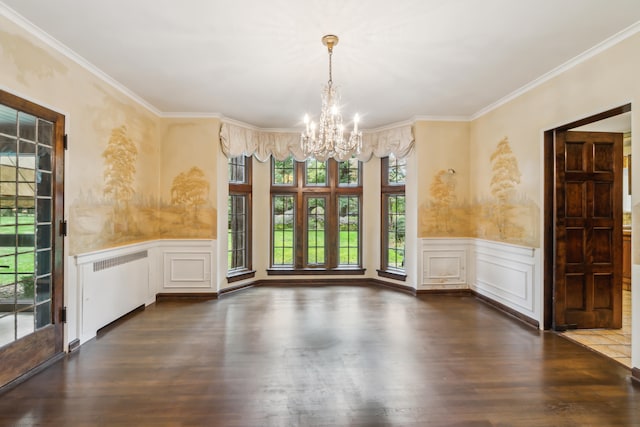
x: 31, y: 247
x: 588, y: 201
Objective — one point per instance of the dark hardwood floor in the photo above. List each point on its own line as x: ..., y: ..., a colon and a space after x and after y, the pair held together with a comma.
x: 325, y: 356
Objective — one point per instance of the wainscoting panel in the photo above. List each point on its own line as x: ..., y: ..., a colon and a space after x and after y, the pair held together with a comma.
x: 187, y: 266
x: 507, y: 274
x: 187, y: 270
x: 444, y: 264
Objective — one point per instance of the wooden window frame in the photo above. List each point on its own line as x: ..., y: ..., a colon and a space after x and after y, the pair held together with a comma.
x: 331, y: 191
x: 244, y: 189
x: 388, y: 189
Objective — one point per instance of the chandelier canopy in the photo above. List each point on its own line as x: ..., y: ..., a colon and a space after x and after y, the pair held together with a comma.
x: 327, y: 139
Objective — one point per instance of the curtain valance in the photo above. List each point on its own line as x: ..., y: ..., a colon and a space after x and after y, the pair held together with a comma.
x: 238, y: 140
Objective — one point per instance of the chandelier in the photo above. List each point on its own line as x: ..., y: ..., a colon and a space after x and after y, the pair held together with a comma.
x: 327, y: 139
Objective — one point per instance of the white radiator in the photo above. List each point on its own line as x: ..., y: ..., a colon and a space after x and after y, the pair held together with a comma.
x: 110, y: 284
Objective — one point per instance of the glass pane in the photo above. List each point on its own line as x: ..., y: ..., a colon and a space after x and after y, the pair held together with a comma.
x: 397, y: 170
x: 8, y: 121
x: 8, y: 145
x: 25, y: 324
x: 349, y: 173
x: 26, y: 126
x: 45, y: 132
x: 25, y: 259
x: 43, y: 288
x: 43, y: 210
x: 43, y: 314
x: 44, y: 236
x: 27, y: 147
x: 44, y: 184
x: 396, y: 231
x: 43, y: 262
x: 283, y: 171
x: 283, y: 232
x: 316, y: 173
x: 316, y: 230
x: 237, y: 170
x: 25, y: 291
x: 349, y: 230
x: 237, y: 227
x: 44, y: 158
x: 7, y: 296
x: 7, y: 328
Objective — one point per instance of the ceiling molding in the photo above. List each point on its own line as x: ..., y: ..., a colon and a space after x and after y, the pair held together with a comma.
x: 187, y: 115
x: 442, y: 118
x: 589, y: 53
x: 44, y: 37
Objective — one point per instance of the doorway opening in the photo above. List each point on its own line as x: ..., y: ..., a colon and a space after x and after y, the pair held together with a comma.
x: 587, y: 273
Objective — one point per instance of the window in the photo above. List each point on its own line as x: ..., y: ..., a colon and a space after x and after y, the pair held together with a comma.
x: 316, y: 216
x: 239, y: 221
x: 393, y: 218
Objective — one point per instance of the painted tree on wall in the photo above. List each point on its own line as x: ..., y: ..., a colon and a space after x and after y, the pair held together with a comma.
x: 190, y: 189
x: 505, y: 177
x: 443, y: 196
x: 120, y: 168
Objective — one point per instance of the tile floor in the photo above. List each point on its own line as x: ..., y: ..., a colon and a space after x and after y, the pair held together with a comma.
x: 614, y: 343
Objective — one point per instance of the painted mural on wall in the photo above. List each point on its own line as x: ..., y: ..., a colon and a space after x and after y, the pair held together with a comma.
x: 503, y: 214
x: 444, y: 215
x: 506, y: 214
x: 121, y: 213
x: 189, y: 213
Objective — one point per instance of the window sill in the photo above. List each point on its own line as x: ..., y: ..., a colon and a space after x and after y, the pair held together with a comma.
x: 315, y: 271
x: 236, y: 276
x: 389, y: 274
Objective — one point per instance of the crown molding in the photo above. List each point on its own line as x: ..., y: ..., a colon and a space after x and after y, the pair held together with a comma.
x: 189, y: 115
x: 442, y: 118
x: 50, y: 41
x: 584, y: 56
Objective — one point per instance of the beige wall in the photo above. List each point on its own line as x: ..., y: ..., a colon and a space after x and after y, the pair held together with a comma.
x: 607, y: 80
x: 188, y: 190
x: 123, y: 158
x: 442, y: 178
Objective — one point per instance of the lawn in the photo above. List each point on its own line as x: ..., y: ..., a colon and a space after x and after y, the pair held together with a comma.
x: 284, y: 250
x: 10, y: 260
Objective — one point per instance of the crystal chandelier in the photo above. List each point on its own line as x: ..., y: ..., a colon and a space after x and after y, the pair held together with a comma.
x: 327, y: 139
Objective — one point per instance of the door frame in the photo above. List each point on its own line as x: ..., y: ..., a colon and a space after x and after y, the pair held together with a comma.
x: 549, y: 245
x: 32, y: 357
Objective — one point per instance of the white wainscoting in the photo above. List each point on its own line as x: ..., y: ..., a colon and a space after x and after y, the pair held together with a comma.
x: 444, y: 264
x: 187, y: 266
x: 505, y: 273
x: 110, y: 283
x: 508, y: 274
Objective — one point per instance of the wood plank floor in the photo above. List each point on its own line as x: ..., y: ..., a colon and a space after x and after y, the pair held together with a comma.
x: 326, y: 356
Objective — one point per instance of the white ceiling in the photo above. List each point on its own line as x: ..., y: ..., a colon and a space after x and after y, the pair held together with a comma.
x: 262, y: 62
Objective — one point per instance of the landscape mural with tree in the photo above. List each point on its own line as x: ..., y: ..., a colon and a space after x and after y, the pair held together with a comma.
x: 444, y: 215
x: 119, y: 171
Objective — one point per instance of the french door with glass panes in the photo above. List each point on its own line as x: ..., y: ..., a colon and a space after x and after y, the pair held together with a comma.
x: 31, y: 207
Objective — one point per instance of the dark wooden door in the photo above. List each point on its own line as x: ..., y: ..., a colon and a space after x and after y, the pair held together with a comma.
x: 31, y: 245
x: 588, y: 235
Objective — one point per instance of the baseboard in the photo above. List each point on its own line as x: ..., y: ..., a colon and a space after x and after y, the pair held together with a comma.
x: 236, y: 288
x: 109, y: 326
x: 635, y: 376
x: 74, y: 345
x: 182, y: 296
x: 24, y: 377
x: 394, y: 286
x: 457, y: 292
x: 508, y: 310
